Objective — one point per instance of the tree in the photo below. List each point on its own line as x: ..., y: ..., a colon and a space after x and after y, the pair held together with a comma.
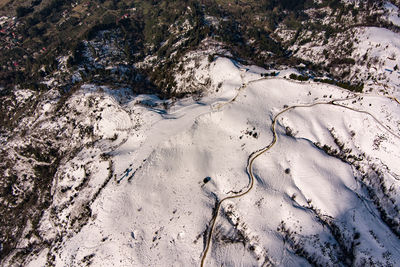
x: 23, y: 11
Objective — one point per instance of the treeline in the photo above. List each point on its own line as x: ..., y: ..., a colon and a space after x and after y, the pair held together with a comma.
x: 346, y: 85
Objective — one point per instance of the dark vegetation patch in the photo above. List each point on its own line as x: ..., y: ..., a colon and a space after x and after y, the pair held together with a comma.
x: 53, y: 28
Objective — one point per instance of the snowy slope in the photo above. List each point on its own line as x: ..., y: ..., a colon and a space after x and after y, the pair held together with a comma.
x: 373, y: 52
x: 308, y: 205
x: 392, y: 13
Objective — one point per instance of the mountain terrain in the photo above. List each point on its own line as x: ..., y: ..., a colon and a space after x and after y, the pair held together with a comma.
x: 199, y: 133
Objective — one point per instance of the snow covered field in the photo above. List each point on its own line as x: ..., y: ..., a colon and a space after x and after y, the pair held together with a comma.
x: 308, y: 204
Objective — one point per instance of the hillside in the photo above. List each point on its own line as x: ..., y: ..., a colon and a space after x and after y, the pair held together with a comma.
x: 137, y: 195
x: 243, y: 133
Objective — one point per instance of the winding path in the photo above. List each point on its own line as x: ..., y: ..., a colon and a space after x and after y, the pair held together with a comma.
x: 258, y: 153
x: 395, y: 99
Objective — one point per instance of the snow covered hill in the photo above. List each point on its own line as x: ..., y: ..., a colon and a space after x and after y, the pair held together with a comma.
x: 325, y: 194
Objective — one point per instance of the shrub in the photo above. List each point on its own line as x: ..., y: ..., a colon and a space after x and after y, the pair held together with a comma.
x: 298, y: 77
x: 272, y: 74
x: 23, y: 11
x: 343, y: 61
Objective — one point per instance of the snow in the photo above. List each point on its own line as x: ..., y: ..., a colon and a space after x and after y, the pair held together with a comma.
x: 41, y: 260
x: 156, y: 208
x: 23, y: 95
x: 383, y: 46
x: 375, y: 53
x: 76, y: 77
x: 392, y: 13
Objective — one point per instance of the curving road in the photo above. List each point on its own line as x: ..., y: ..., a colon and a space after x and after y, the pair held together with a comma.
x: 394, y: 98
x: 258, y: 153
